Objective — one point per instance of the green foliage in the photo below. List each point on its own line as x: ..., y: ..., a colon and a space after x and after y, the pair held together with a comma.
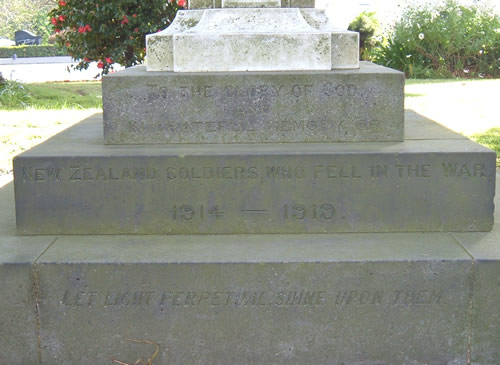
x: 110, y: 31
x: 367, y: 25
x: 490, y: 139
x: 448, y: 40
x: 31, y: 51
x: 25, y: 15
x: 74, y: 95
x: 13, y: 95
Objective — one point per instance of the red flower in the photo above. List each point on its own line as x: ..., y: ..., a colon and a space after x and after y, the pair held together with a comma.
x: 181, y: 3
x: 68, y: 44
x: 86, y: 59
x: 62, y: 3
x: 100, y: 64
x: 87, y: 28
x: 58, y: 30
x: 125, y: 20
x: 134, y: 15
x: 136, y: 30
x: 81, y: 30
x: 109, y: 60
x: 53, y: 21
x: 61, y: 18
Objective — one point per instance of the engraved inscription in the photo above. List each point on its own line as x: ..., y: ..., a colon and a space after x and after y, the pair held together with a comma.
x: 188, y: 212
x: 37, y: 175
x: 294, y: 111
x: 254, y: 298
x: 413, y: 170
x: 185, y: 172
x: 79, y: 173
x: 299, y: 212
x: 464, y: 170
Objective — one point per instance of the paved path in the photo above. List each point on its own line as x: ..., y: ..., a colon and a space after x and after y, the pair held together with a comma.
x: 36, y: 60
x: 467, y: 107
x: 45, y: 69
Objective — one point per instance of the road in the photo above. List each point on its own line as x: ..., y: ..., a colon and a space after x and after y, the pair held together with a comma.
x: 45, y: 69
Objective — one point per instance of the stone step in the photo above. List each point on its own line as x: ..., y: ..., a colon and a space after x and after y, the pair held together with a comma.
x: 329, y: 106
x: 389, y: 298
x: 251, y: 39
x: 73, y: 184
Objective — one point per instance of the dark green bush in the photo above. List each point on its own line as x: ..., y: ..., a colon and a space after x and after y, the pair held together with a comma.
x: 13, y: 95
x: 442, y: 42
x: 110, y: 32
x: 32, y: 51
x: 367, y: 25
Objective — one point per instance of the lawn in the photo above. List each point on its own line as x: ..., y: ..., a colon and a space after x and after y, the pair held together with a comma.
x: 65, y: 95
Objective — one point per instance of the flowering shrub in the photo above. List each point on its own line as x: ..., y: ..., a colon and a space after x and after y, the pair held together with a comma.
x: 449, y: 40
x: 110, y: 32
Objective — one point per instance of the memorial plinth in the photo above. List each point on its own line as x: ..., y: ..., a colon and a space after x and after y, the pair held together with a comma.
x: 252, y: 39
x: 195, y: 151
x: 359, y: 105
x: 75, y: 185
x: 387, y: 298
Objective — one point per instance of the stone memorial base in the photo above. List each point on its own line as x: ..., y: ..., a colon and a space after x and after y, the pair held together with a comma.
x: 73, y: 184
x: 398, y: 298
x: 362, y: 105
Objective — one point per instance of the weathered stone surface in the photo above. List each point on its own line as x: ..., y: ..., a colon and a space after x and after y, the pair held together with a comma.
x: 384, y: 299
x: 251, y: 4
x: 485, y: 331
x: 332, y: 106
x: 418, y: 185
x: 18, y: 320
x: 252, y: 39
x: 207, y: 4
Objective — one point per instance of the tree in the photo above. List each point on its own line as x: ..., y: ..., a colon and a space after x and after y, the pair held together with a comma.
x: 110, y: 31
x: 26, y: 15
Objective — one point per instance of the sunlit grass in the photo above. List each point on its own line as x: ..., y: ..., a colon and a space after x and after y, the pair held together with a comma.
x: 74, y: 95
x: 490, y: 139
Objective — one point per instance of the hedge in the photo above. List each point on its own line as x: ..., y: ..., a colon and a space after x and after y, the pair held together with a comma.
x: 32, y: 51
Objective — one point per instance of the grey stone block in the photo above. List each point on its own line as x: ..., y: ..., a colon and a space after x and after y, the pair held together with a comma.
x: 251, y: 39
x: 18, y: 287
x: 383, y: 298
x: 315, y: 299
x: 332, y: 106
x: 73, y: 184
x: 485, y: 330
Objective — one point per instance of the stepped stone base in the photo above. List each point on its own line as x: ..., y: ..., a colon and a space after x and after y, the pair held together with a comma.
x: 251, y: 39
x: 413, y: 298
x: 434, y: 181
x: 332, y: 106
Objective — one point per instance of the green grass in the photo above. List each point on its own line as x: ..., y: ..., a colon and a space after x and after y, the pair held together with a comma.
x: 439, y: 81
x: 74, y: 95
x: 490, y: 139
